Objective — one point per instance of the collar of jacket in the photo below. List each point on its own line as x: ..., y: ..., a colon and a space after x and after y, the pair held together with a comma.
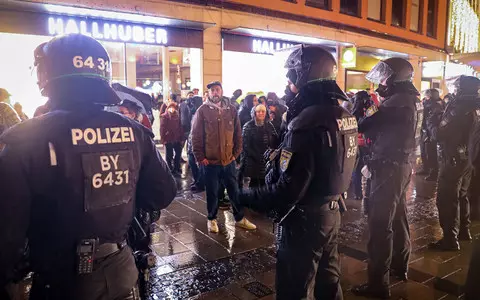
x: 225, y: 104
x: 310, y: 117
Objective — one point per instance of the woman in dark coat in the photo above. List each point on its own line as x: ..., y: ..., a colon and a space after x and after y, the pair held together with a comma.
x: 259, y: 135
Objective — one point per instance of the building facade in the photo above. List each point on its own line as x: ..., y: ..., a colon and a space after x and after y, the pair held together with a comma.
x: 238, y: 41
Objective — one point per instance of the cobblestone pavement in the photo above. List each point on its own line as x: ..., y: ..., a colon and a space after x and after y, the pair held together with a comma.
x: 236, y: 264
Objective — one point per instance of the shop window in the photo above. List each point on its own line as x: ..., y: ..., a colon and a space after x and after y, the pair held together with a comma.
x: 376, y: 10
x: 322, y: 4
x: 117, y: 58
x: 144, y: 67
x: 432, y: 18
x: 398, y: 13
x: 350, y: 7
x: 416, y: 16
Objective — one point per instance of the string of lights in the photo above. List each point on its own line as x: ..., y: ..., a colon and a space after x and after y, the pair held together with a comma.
x: 464, y: 26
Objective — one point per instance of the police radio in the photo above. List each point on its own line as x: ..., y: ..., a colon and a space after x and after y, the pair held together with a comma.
x: 85, y: 251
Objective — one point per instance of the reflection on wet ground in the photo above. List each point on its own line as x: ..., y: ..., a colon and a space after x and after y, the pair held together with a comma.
x: 238, y: 264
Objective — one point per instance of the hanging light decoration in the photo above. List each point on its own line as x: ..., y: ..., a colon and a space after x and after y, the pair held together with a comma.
x: 464, y: 27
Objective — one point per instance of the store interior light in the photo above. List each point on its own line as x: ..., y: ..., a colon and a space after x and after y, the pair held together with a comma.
x: 105, y: 14
x: 285, y: 36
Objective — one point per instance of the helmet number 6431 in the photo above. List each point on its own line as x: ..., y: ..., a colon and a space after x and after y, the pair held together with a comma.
x: 79, y: 62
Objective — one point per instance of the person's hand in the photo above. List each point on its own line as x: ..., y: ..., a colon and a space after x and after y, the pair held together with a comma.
x: 204, y: 162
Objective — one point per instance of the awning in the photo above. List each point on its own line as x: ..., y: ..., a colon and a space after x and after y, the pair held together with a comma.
x: 26, y: 6
x: 380, y: 53
x: 287, y: 37
x: 471, y: 59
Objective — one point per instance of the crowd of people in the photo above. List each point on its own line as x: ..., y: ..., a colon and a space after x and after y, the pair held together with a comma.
x: 88, y: 182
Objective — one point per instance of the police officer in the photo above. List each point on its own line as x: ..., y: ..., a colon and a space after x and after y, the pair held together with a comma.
x: 306, y: 180
x: 433, y: 110
x: 392, y: 127
x: 70, y: 179
x: 453, y: 135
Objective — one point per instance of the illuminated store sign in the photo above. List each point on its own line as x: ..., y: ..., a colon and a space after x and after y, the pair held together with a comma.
x: 111, y: 31
x: 268, y: 47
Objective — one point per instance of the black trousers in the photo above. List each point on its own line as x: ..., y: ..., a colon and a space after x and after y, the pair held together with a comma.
x: 113, y: 278
x: 431, y: 157
x: 308, y: 265
x: 174, y: 163
x: 474, y: 194
x: 472, y: 288
x: 452, y: 197
x: 389, y: 242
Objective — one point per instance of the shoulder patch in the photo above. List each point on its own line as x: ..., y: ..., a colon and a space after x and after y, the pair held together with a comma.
x: 371, y: 111
x: 285, y: 157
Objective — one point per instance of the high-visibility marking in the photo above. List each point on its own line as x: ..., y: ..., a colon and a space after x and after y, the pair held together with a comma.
x: 53, y: 154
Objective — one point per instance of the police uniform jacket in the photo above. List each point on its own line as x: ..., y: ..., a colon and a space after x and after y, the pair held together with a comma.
x: 75, y: 174
x: 315, y: 161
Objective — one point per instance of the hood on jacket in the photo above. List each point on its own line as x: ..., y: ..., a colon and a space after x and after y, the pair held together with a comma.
x: 248, y: 101
x: 253, y: 112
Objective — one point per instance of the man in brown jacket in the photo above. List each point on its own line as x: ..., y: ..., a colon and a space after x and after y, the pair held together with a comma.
x: 216, y: 143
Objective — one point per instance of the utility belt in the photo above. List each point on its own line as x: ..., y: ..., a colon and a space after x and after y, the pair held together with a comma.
x: 334, y: 202
x: 90, y: 251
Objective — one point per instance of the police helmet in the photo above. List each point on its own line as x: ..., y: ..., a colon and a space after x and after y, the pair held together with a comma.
x: 390, y: 71
x: 313, y: 63
x: 309, y: 63
x: 432, y: 93
x: 74, y: 59
x: 466, y: 86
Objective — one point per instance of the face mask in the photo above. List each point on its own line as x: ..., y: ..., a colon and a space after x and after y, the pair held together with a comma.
x: 382, y: 90
x: 289, y: 96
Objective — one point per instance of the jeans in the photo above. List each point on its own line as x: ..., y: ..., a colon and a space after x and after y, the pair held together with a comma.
x: 227, y: 174
x: 174, y: 163
x: 197, y: 172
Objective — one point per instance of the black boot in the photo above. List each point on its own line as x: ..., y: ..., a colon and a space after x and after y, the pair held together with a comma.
x: 464, y: 235
x: 445, y: 245
x: 365, y: 290
x: 399, y: 274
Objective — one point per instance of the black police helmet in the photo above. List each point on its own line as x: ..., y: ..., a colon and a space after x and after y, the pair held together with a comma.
x: 432, y: 93
x: 390, y: 71
x: 466, y: 86
x: 77, y: 61
x: 310, y: 63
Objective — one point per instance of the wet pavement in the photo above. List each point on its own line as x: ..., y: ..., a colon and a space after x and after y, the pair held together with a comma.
x: 239, y: 264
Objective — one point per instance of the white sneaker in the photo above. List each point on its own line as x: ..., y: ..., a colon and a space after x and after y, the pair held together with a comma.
x: 212, y: 226
x: 246, y: 224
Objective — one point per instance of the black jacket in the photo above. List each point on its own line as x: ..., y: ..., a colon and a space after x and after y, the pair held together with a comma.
x: 315, y: 161
x: 392, y: 128
x: 456, y: 126
x: 256, y: 141
x: 245, y: 110
x: 432, y: 113
x: 71, y: 175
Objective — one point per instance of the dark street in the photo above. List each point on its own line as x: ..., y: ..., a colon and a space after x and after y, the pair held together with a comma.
x: 236, y: 264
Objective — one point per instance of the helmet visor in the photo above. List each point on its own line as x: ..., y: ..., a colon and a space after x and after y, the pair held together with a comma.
x: 380, y: 73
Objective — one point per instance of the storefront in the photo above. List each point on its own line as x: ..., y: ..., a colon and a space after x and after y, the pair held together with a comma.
x: 434, y: 72
x: 253, y: 60
x: 138, y: 46
x: 365, y: 58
